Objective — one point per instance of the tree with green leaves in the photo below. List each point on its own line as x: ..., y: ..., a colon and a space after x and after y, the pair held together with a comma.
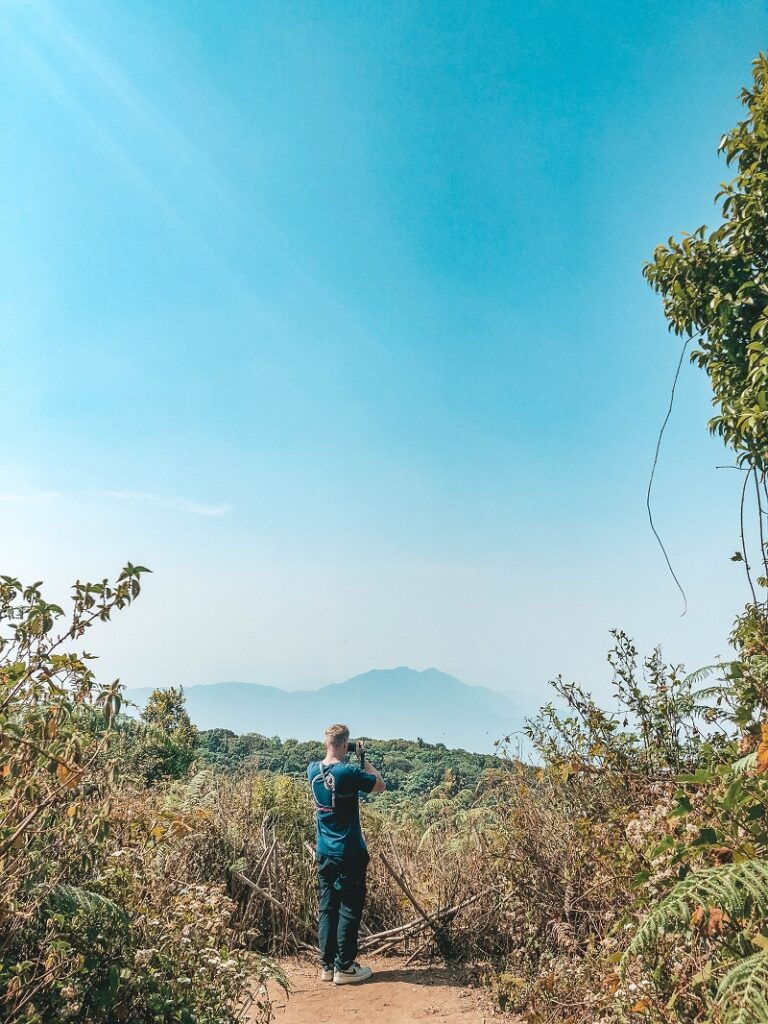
x: 168, y: 747
x: 714, y: 286
x: 166, y: 710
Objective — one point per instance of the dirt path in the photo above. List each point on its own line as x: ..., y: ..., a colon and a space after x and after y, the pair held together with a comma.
x: 394, y: 995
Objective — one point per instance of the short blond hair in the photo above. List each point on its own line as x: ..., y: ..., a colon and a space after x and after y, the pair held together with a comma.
x: 337, y: 735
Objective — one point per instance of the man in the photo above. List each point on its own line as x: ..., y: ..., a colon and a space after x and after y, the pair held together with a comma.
x: 342, y: 856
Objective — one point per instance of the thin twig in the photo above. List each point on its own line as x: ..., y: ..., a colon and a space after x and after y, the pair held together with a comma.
x: 418, y: 951
x: 263, y: 864
x: 653, y: 474
x: 437, y: 928
x: 273, y: 901
x: 743, y: 540
x: 763, y: 553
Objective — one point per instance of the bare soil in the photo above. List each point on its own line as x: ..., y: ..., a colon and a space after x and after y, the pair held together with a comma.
x: 394, y: 995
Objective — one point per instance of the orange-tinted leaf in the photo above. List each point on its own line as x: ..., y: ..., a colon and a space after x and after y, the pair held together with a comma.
x: 640, y: 1005
x: 66, y: 777
x: 717, y: 921
x: 762, y: 750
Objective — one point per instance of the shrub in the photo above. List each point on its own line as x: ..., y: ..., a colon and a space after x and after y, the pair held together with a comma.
x: 95, y: 923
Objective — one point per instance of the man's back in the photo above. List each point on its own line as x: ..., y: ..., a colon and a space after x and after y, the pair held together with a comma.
x: 335, y: 789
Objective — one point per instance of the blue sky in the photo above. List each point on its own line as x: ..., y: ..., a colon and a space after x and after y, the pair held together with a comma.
x: 332, y: 314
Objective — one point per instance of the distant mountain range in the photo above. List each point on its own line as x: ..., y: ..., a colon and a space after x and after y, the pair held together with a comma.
x: 396, y: 703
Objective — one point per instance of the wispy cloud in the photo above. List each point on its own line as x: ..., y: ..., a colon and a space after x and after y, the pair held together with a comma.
x: 29, y: 498
x: 177, y: 504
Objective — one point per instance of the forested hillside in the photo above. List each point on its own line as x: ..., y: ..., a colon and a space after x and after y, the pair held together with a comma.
x: 412, y: 770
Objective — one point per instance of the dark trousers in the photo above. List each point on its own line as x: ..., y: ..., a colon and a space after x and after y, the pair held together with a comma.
x: 342, y: 895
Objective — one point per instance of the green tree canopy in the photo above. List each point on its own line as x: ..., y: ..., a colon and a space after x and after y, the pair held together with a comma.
x: 166, y: 710
x: 715, y: 285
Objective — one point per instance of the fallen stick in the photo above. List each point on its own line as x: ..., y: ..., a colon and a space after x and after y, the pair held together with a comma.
x: 403, y: 931
x: 443, y: 942
x: 415, y: 925
x: 273, y: 901
x: 379, y: 950
x: 262, y: 865
x: 404, y: 886
x: 418, y: 924
x: 418, y: 951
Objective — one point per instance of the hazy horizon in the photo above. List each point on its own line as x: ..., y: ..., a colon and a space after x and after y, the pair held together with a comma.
x: 441, y: 708
x: 310, y: 685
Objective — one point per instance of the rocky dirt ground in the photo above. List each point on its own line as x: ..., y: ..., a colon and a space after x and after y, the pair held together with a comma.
x: 396, y: 994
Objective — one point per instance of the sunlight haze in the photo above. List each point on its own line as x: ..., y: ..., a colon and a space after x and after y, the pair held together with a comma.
x: 332, y: 315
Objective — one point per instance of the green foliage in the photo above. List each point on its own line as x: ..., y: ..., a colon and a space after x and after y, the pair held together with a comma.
x: 738, y: 890
x: 166, y: 711
x: 95, y: 927
x: 718, y: 842
x: 165, y: 747
x: 748, y: 675
x: 715, y: 284
x: 657, y: 725
x: 413, y: 770
x: 69, y: 900
x: 743, y: 992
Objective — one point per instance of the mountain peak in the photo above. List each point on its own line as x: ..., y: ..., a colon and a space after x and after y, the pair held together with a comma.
x: 385, y: 703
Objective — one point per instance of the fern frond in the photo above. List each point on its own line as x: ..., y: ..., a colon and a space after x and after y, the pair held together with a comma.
x: 190, y: 794
x: 736, y: 889
x: 71, y: 900
x: 428, y: 831
x: 564, y: 935
x: 745, y: 764
x: 699, y: 674
x: 718, y: 690
x: 743, y: 992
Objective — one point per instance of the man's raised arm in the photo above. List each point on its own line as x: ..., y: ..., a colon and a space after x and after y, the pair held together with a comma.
x: 380, y: 784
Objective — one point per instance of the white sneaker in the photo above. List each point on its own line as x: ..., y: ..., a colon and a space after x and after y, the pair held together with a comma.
x: 352, y: 975
x: 326, y: 974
